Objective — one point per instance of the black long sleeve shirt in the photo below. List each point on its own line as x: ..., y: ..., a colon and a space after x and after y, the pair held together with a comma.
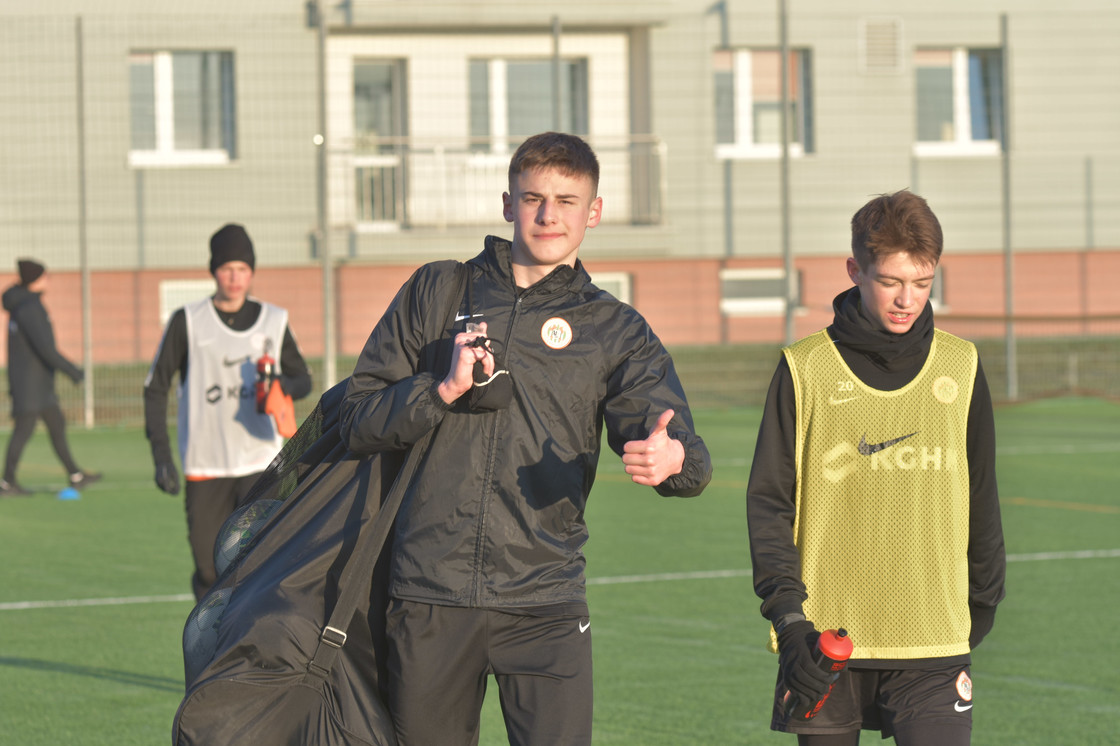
x: 172, y: 358
x: 772, y: 486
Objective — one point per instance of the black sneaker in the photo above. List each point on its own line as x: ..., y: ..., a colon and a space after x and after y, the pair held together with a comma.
x: 83, y: 479
x: 12, y: 489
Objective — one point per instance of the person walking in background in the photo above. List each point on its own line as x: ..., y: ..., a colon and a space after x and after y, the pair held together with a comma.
x: 872, y: 503
x: 33, y: 360
x: 225, y: 442
x: 487, y: 569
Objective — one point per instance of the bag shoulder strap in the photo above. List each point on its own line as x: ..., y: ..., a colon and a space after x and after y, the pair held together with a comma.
x: 370, y: 543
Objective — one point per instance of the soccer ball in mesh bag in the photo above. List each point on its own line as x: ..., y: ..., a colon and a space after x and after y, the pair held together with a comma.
x: 239, y: 530
x: 200, y: 635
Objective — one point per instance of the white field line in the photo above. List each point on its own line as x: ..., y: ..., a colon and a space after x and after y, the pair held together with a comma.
x: 1064, y: 449
x: 1082, y: 554
x: 73, y: 602
x: 615, y: 580
x: 659, y: 577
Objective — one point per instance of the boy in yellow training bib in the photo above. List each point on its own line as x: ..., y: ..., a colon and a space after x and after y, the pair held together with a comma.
x: 872, y: 502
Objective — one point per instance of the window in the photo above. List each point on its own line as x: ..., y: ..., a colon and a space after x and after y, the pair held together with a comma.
x: 182, y: 108
x: 937, y: 290
x: 378, y: 103
x: 618, y: 284
x: 748, y: 103
x: 423, y: 125
x: 512, y: 99
x: 380, y: 131
x: 174, y: 294
x: 757, y: 291
x: 960, y: 101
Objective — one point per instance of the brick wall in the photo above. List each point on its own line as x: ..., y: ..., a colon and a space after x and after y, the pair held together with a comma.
x: 680, y: 298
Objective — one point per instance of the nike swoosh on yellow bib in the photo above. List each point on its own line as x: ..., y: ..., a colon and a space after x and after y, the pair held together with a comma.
x: 866, y: 449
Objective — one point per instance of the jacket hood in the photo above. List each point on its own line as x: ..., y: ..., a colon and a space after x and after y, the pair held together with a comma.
x: 15, y: 296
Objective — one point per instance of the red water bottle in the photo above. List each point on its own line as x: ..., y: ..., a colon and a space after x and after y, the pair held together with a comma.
x: 833, y: 650
x: 266, y: 371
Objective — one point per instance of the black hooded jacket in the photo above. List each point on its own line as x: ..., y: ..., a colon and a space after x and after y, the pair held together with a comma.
x: 886, y: 362
x: 32, y: 355
x: 495, y: 515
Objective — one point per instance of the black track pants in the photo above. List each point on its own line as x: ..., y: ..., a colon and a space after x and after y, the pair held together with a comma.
x: 440, y: 657
x: 22, y: 430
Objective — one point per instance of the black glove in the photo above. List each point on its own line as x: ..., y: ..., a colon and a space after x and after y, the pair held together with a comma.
x: 801, y: 674
x: 493, y: 393
x: 167, y: 477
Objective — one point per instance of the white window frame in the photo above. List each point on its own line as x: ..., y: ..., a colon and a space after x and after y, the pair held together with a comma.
x: 762, y: 305
x: 165, y: 152
x: 744, y: 145
x: 962, y: 143
x: 174, y: 294
x: 499, y: 107
x: 498, y: 81
x: 618, y: 284
x: 387, y: 162
x: 438, y: 66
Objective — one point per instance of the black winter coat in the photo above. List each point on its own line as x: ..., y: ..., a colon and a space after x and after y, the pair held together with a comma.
x: 495, y: 515
x: 32, y: 355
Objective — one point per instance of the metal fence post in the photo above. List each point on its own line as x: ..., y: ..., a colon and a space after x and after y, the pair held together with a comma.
x: 1008, y: 254
x: 83, y: 247
x: 787, y: 245
x: 329, y: 321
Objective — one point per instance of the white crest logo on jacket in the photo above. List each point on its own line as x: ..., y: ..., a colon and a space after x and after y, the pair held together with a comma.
x: 556, y: 333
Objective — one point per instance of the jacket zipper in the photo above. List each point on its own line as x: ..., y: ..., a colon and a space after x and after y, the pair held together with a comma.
x: 488, y: 481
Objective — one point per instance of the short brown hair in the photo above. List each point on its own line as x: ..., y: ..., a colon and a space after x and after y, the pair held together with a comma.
x: 566, y: 153
x: 891, y: 223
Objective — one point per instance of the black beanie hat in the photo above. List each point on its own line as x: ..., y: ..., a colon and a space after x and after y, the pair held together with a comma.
x: 29, y: 271
x: 231, y: 244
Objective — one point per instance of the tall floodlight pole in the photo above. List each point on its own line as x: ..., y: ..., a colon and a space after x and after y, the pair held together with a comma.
x: 1008, y: 257
x: 787, y: 249
x: 556, y: 97
x: 720, y: 7
x: 322, y: 238
x: 728, y: 174
x: 83, y: 244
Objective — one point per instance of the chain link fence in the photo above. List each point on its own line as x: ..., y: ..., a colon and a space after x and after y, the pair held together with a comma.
x: 127, y: 139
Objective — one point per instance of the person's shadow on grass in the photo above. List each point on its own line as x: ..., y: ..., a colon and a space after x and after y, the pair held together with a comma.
x: 163, y: 683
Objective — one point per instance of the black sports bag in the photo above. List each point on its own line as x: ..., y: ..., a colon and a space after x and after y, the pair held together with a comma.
x: 288, y: 646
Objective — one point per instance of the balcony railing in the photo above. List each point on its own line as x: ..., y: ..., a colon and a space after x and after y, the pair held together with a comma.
x: 392, y: 184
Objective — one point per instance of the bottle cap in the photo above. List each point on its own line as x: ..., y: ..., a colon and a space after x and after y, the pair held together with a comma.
x: 836, y: 644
